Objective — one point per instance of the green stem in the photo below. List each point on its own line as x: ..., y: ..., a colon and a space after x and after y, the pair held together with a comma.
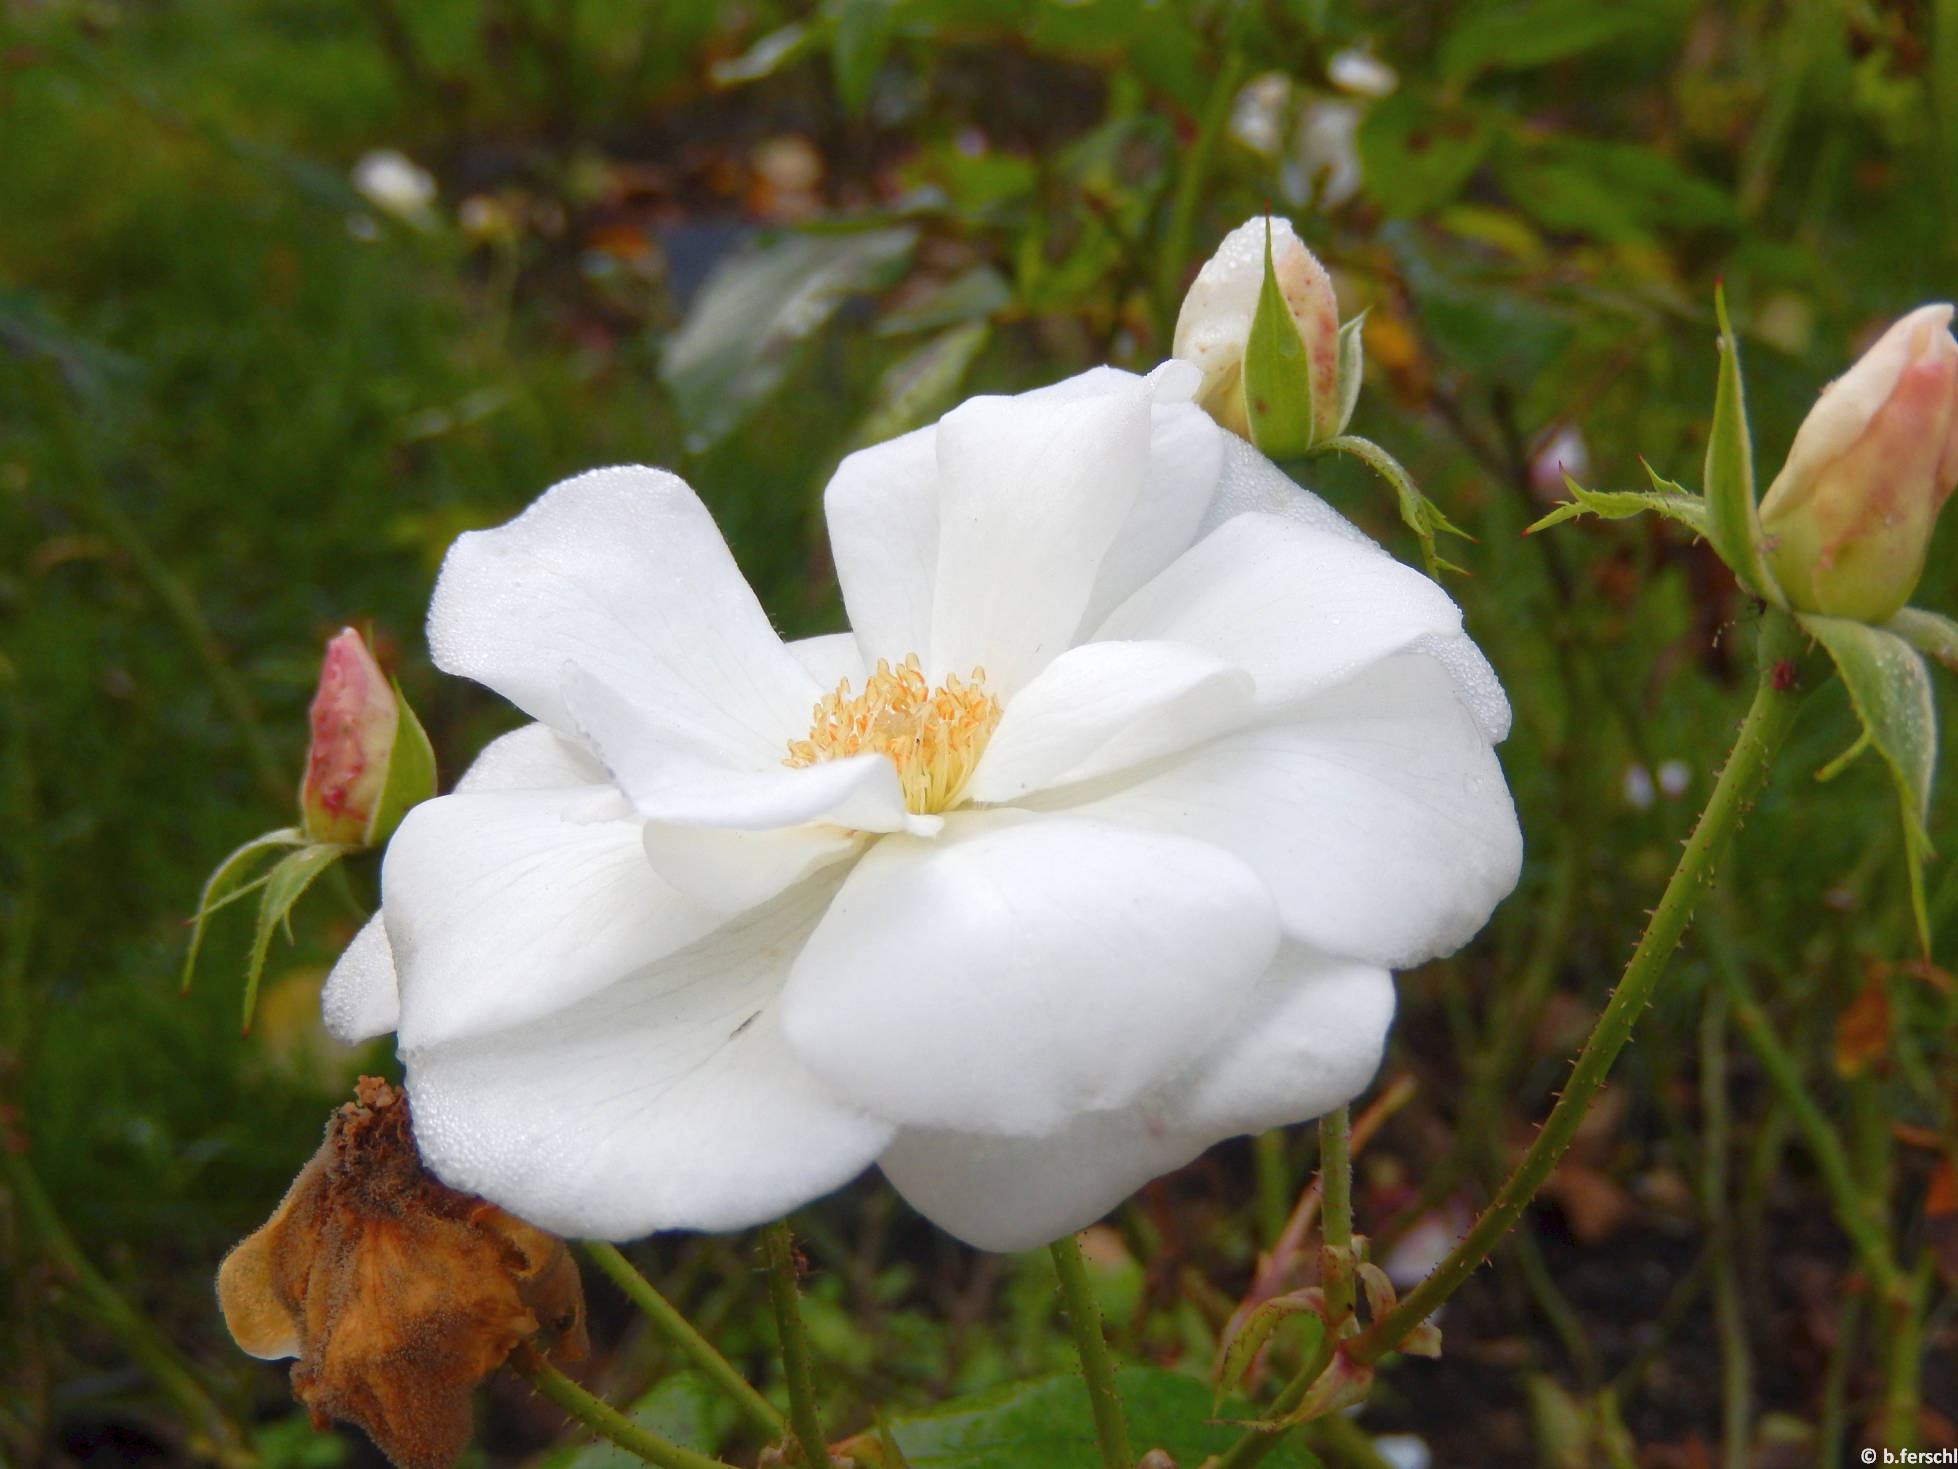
x: 1097, y: 1369
x: 1553, y: 1305
x: 1903, y: 1366
x: 1833, y: 1428
x: 778, y: 1253
x: 760, y: 1412
x: 1336, y: 1216
x: 1777, y: 699
x: 1274, y: 1176
x: 1730, y: 1320
x: 215, y: 1436
x: 1341, y: 1440
x: 1859, y: 1216
x: 602, y: 1418
x: 170, y: 590
x: 26, y: 839
x: 1174, y: 258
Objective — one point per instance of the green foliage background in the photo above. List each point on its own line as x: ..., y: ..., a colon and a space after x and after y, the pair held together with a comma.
x: 240, y: 407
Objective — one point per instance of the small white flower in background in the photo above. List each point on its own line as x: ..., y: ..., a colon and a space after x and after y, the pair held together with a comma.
x: 1638, y: 787
x: 1323, y: 167
x: 1675, y: 778
x: 1313, y: 137
x: 1404, y: 1450
x: 1092, y: 843
x: 395, y: 184
x: 1357, y: 70
x: 1559, y: 452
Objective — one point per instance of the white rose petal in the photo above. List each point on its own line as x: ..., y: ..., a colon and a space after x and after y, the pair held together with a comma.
x: 1090, y: 844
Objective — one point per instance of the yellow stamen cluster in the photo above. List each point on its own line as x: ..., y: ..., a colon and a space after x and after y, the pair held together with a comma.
x: 933, y: 736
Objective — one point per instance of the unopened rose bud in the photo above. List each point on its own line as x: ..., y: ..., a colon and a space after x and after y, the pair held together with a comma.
x: 1849, y: 517
x: 369, y: 759
x: 1214, y: 331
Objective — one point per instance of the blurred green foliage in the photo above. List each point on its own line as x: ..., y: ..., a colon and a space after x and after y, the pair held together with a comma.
x: 242, y: 405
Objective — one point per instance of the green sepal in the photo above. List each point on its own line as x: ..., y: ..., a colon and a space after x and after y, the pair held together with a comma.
x: 1277, y: 376
x: 1733, y: 524
x: 1352, y: 366
x: 1688, y: 510
x: 1423, y: 1339
x: 1931, y: 633
x: 227, y: 884
x: 1890, y: 688
x: 411, y: 772
x: 294, y: 873
x: 1343, y: 1383
x: 1418, y: 513
x: 1251, y: 1337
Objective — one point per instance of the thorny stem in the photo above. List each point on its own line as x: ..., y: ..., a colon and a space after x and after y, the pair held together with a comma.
x: 1344, y: 1442
x: 778, y: 1253
x: 1736, y: 1367
x: 1777, y: 699
x: 760, y: 1412
x: 1336, y: 1216
x: 1274, y: 1184
x: 1903, y: 1365
x: 1778, y: 695
x: 1097, y: 1369
x: 1174, y: 257
x: 216, y: 1437
x: 602, y: 1418
x: 1854, y: 1212
x: 1834, y: 1423
x: 177, y: 600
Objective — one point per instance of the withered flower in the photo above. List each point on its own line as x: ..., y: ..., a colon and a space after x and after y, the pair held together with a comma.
x: 396, y: 1294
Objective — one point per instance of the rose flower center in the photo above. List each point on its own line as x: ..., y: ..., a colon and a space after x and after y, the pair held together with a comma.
x: 934, y: 736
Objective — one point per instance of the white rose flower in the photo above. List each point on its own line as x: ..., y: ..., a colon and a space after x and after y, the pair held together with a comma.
x: 1093, y: 843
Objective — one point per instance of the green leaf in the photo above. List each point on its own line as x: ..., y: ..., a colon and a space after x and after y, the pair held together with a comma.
x: 411, y: 772
x: 922, y: 384
x: 1931, y: 633
x: 1352, y: 367
x: 1890, y: 688
x: 226, y: 885
x: 91, y: 371
x: 1418, y: 513
x: 777, y: 49
x: 750, y: 320
x: 1277, y: 376
x: 1343, y: 1383
x: 1250, y: 1338
x: 283, y: 887
x: 1046, y: 1422
x: 973, y: 296
x: 1610, y: 191
x: 1512, y: 37
x: 1417, y: 156
x: 1733, y: 524
x: 859, y: 40
x: 1688, y: 510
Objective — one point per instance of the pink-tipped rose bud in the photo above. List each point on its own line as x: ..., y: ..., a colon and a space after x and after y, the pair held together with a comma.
x: 1214, y: 325
x: 355, y: 715
x: 1849, y: 517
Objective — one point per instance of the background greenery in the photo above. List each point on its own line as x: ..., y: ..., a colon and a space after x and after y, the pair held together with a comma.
x: 240, y: 406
